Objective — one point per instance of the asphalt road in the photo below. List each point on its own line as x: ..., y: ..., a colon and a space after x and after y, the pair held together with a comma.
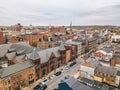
x: 52, y: 84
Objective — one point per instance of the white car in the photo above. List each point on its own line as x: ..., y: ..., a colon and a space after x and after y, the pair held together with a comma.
x: 52, y: 77
x: 67, y: 68
x: 63, y: 70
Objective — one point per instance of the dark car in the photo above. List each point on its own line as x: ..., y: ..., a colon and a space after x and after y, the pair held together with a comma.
x: 37, y: 87
x: 55, y: 89
x: 43, y: 87
x: 72, y: 64
x: 57, y: 73
x: 45, y: 81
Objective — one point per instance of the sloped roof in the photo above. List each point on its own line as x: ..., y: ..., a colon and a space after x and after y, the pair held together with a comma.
x: 44, y: 55
x: 107, y: 70
x: 23, y: 47
x: 19, y: 58
x: 62, y: 47
x: 34, y: 55
x: 10, y: 56
x: 15, y: 68
x: 87, y: 64
x: 4, y: 49
x: 92, y: 62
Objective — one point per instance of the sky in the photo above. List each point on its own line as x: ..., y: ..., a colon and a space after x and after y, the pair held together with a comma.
x: 60, y: 12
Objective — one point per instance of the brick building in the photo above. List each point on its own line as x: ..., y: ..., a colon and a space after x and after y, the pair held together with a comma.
x: 32, y: 38
x: 46, y: 44
x: 58, y: 30
x: 17, y: 27
x: 75, y: 47
x: 48, y: 60
x: 32, y: 64
x: 115, y: 61
x: 1, y: 37
x: 14, y: 78
x: 107, y: 75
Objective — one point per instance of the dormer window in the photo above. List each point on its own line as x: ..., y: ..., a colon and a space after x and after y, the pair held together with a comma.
x: 11, y: 50
x: 19, y: 52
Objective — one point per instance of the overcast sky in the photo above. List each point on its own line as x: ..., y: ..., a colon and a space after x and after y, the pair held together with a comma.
x: 60, y: 12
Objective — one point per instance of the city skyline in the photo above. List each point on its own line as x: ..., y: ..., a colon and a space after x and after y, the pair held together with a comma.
x: 45, y: 12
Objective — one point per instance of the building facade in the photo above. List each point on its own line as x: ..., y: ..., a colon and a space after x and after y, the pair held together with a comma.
x: 106, y: 75
x: 14, y: 78
x: 92, y: 44
x: 1, y: 37
x: 48, y: 60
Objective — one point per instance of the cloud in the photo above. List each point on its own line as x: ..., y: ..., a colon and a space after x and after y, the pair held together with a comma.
x: 59, y: 12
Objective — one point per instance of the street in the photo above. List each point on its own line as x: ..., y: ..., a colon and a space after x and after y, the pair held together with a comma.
x: 52, y: 84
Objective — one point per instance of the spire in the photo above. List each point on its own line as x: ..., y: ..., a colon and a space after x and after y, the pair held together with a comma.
x: 62, y: 47
x: 34, y: 55
x: 71, y: 25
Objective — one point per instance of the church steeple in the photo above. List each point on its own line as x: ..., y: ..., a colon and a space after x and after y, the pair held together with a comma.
x: 71, y: 25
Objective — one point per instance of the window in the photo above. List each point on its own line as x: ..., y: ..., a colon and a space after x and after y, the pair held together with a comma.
x: 20, y: 75
x: 8, y: 81
x: 44, y: 65
x: 58, y: 65
x: 5, y: 83
x: 30, y: 76
x: 43, y: 72
x: 37, y: 70
x: 52, y: 68
x: 9, y: 88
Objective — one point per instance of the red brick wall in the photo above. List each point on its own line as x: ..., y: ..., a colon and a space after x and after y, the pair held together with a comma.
x: 1, y: 38
x: 68, y: 55
x: 114, y: 62
x: 61, y: 29
x: 33, y: 38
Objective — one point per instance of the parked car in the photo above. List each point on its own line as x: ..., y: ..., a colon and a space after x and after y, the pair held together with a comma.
x: 55, y: 89
x: 45, y: 81
x: 63, y: 70
x: 67, y: 67
x: 43, y: 87
x: 58, y: 73
x: 37, y: 87
x: 72, y: 64
x: 51, y: 77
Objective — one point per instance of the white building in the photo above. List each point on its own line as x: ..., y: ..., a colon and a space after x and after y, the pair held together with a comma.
x: 87, y: 68
x: 115, y: 38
